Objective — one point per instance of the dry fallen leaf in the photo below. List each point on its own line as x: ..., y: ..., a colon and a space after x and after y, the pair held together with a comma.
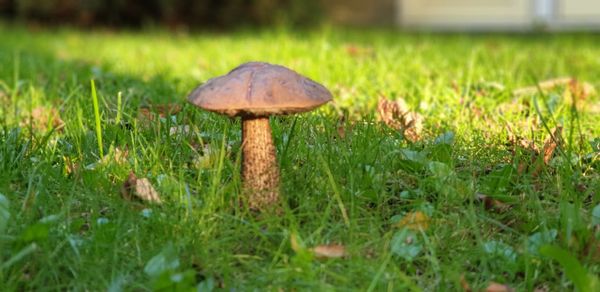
x: 136, y: 188
x: 320, y: 251
x: 524, y: 145
x: 492, y: 204
x: 341, y: 130
x: 551, y: 142
x: 464, y: 284
x: 517, y: 141
x: 496, y: 287
x: 115, y: 155
x: 145, y: 191
x: 578, y: 90
x: 344, y: 126
x: 69, y: 166
x: 294, y: 242
x: 359, y: 51
x: 148, y: 114
x: 145, y: 117
x: 414, y: 220
x: 165, y: 110
x: 543, y: 85
x: 396, y: 115
x: 329, y: 251
x: 43, y: 118
x: 592, y: 249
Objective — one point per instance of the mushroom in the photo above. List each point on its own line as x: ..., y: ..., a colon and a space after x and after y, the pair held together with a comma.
x: 254, y: 91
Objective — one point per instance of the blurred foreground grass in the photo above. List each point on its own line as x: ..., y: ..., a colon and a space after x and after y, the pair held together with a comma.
x: 477, y: 174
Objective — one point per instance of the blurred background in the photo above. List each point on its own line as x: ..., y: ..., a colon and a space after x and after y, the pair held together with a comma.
x: 225, y: 14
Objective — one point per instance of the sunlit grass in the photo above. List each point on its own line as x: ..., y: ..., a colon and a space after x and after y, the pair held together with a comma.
x: 345, y: 180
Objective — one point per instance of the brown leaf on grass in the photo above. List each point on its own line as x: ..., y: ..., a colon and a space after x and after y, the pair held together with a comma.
x: 496, y: 287
x: 344, y: 126
x: 320, y: 251
x: 120, y: 156
x: 464, y: 284
x: 145, y: 115
x: 294, y: 242
x: 141, y: 189
x: 359, y: 51
x: 520, y: 144
x: 43, y: 118
x: 492, y: 204
x: 70, y: 167
x: 592, y: 248
x: 579, y: 90
x: 518, y: 141
x: 414, y: 220
x: 551, y: 143
x: 396, y: 115
x: 150, y: 113
x: 543, y: 85
x: 115, y: 155
x: 164, y: 110
x: 329, y: 251
x: 128, y: 187
x: 341, y: 130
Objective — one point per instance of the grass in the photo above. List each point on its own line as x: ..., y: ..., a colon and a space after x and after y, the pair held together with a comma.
x: 65, y: 226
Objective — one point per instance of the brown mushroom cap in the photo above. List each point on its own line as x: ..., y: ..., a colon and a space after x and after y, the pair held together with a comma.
x: 259, y: 89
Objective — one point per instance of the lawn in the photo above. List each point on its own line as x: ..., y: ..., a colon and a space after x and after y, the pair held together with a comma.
x: 497, y: 199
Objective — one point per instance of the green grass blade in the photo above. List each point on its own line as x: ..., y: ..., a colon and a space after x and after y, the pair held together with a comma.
x: 336, y: 192
x: 119, y: 111
x: 97, y: 118
x: 20, y: 255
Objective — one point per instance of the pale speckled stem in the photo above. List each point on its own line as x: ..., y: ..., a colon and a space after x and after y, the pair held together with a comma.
x: 260, y: 172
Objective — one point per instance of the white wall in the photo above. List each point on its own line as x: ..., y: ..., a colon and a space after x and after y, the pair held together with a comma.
x: 577, y: 13
x: 497, y: 14
x: 465, y: 13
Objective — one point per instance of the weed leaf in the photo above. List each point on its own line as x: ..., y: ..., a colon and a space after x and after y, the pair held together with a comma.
x: 19, y: 256
x: 165, y: 261
x: 207, y: 285
x: 583, y: 281
x: 596, y: 215
x: 501, y: 249
x: 538, y: 239
x: 405, y: 244
x: 4, y: 213
x: 491, y: 204
x: 446, y: 138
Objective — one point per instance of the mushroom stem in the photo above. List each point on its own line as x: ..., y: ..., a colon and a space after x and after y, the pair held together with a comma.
x: 260, y: 173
